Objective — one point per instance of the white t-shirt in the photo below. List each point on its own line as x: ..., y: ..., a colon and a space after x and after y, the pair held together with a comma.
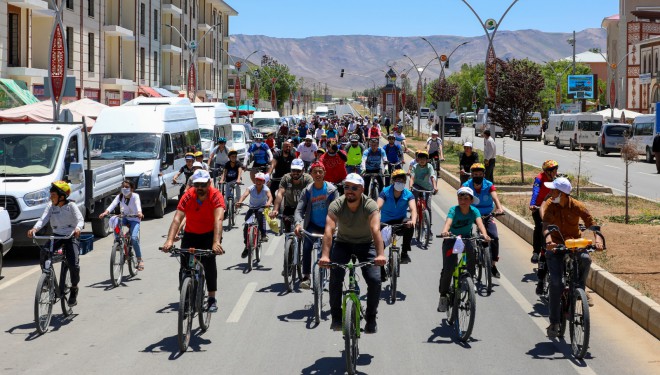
x: 319, y: 133
x: 435, y: 144
x: 398, y: 138
x: 307, y: 153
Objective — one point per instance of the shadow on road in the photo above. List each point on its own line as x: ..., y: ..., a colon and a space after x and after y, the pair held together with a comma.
x: 244, y: 268
x: 278, y: 288
x: 335, y: 365
x: 171, y: 345
x: 171, y: 308
x: 385, y: 295
x: 530, y: 277
x: 540, y: 310
x: 556, y: 350
x: 57, y: 321
x: 444, y: 334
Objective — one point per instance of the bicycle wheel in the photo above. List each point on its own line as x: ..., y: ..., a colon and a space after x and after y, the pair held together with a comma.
x: 373, y: 190
x: 288, y: 266
x: 426, y: 233
x: 564, y: 310
x: 317, y: 286
x: 186, y: 304
x: 351, y: 326
x: 488, y: 270
x: 579, y: 323
x: 230, y: 213
x: 465, y: 305
x: 394, y: 265
x: 203, y: 312
x: 257, y: 249
x: 43, y: 302
x: 116, y: 263
x: 132, y: 262
x: 252, y: 241
x: 546, y: 287
x: 65, y: 289
x: 479, y: 263
x: 299, y: 258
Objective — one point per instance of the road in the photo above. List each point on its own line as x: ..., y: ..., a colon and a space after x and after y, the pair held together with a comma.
x: 259, y: 329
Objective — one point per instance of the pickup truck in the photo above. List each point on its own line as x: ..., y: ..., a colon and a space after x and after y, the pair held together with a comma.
x: 36, y: 154
x: 6, y: 241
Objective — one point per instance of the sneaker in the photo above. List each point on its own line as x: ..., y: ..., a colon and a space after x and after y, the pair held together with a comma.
x: 306, y: 283
x: 73, y: 296
x: 244, y: 254
x: 264, y: 238
x: 443, y: 304
x: 552, y: 330
x: 212, y: 305
x: 335, y: 325
x: 371, y: 326
x: 535, y: 258
x: 539, y: 289
x: 495, y: 272
x: 405, y: 258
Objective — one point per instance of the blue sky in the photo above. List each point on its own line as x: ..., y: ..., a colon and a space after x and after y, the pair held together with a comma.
x: 303, y: 18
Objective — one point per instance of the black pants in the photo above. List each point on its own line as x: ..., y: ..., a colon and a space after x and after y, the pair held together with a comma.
x: 259, y: 217
x: 341, y: 253
x: 391, y: 168
x: 288, y: 223
x: 275, y: 184
x: 538, y: 241
x: 71, y: 249
x: 200, y: 241
x: 367, y: 180
x: 449, y: 262
x: 406, y: 232
x: 490, y: 168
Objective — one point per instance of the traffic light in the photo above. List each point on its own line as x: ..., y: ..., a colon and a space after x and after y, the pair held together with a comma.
x: 342, y: 74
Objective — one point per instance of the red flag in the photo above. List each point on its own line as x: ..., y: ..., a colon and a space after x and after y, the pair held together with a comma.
x: 237, y: 91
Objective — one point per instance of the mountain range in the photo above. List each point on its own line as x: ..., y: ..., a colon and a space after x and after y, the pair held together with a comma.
x: 321, y: 58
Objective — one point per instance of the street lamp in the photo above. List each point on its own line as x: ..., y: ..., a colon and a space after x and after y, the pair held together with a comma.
x: 614, y: 71
x: 443, y: 60
x: 237, y: 65
x: 420, y: 72
x: 341, y: 75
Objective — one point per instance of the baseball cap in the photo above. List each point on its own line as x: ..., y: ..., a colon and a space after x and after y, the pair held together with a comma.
x: 260, y: 176
x: 355, y: 178
x: 297, y: 164
x: 435, y: 132
x: 467, y: 144
x: 309, y: 137
x: 200, y: 175
x: 467, y: 190
x: 197, y: 164
x: 190, y: 156
x: 562, y: 184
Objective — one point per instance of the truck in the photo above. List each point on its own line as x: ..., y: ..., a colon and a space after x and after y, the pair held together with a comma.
x: 34, y: 155
x: 6, y: 242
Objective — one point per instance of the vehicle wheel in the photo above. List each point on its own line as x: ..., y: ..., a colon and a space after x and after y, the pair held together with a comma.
x: 159, y: 207
x: 557, y: 144
x: 101, y: 227
x: 571, y: 145
x: 288, y: 268
x: 393, y: 266
x: 649, y: 155
x: 598, y: 153
x: 488, y: 272
x: 203, y: 312
x: 351, y: 350
x: 579, y: 324
x: 465, y: 304
x: 116, y: 263
x: 43, y: 302
x: 317, y: 288
x: 132, y: 262
x: 545, y: 141
x: 426, y: 235
x: 65, y: 290
x: 185, y: 313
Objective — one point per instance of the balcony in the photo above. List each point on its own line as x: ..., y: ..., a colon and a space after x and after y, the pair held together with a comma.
x: 204, y: 60
x: 170, y: 48
x: 29, y: 4
x: 171, y: 9
x: 203, y: 27
x: 22, y: 71
x: 118, y: 82
x: 116, y: 30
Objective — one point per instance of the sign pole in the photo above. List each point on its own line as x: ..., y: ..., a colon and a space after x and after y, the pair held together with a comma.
x: 58, y: 62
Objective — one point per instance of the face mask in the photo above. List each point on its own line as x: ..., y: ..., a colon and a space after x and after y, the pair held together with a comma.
x: 399, y: 186
x: 478, y: 180
x: 556, y: 200
x: 125, y: 191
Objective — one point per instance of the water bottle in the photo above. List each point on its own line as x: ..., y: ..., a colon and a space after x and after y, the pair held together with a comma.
x: 47, y: 264
x: 578, y: 243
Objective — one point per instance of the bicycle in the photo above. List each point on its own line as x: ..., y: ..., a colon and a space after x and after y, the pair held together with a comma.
x: 435, y: 162
x: 122, y: 252
x: 374, y: 185
x: 253, y: 242
x: 292, y: 256
x: 461, y: 297
x: 423, y: 234
x: 231, y: 210
x: 352, y: 313
x: 319, y: 274
x: 216, y: 172
x: 390, y: 168
x: 484, y: 259
x: 48, y: 290
x: 574, y: 305
x: 193, y: 299
x: 393, y: 267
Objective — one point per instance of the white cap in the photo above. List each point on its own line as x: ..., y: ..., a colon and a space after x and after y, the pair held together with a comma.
x: 198, y: 164
x: 260, y: 176
x: 561, y: 183
x: 435, y: 132
x: 355, y: 178
x: 200, y: 175
x: 467, y: 144
x: 467, y: 190
x: 309, y: 137
x: 297, y: 164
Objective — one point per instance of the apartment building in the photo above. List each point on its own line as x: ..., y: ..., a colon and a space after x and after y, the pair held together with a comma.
x: 119, y: 49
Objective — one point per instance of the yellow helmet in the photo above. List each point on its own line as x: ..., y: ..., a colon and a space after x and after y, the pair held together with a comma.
x: 61, y: 187
x: 198, y: 154
x: 397, y: 173
x: 422, y: 153
x: 477, y: 167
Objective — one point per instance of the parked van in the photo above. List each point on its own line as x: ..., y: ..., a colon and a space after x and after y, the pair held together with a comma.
x: 643, y: 131
x: 240, y: 142
x: 550, y: 133
x: 266, y: 122
x: 214, y: 120
x: 152, y: 135
x: 424, y: 112
x: 612, y: 138
x: 579, y: 129
x: 480, y: 126
x: 533, y: 128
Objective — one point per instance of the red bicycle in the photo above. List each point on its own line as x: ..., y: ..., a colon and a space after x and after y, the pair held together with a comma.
x: 122, y: 252
x: 423, y: 234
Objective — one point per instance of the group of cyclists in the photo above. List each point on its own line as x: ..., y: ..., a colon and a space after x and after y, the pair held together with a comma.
x: 324, y: 193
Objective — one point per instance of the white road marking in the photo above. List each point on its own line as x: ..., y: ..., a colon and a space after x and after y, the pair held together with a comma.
x: 273, y: 245
x: 19, y: 277
x: 612, y: 166
x: 438, y: 210
x: 242, y: 303
x: 538, y: 320
x: 650, y: 174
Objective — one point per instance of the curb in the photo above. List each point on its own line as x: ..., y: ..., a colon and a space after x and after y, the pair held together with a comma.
x: 641, y: 309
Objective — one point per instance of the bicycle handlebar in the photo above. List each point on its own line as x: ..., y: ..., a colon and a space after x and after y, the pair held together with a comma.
x: 422, y: 191
x: 313, y: 235
x: 192, y: 250
x: 346, y: 266
x: 453, y: 237
x: 52, y: 237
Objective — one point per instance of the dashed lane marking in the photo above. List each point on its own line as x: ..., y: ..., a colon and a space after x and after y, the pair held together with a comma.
x: 242, y: 303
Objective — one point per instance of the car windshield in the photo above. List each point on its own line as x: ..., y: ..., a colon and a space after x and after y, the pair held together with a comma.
x: 206, y: 133
x: 125, y: 146
x: 28, y: 154
x: 265, y: 122
x: 239, y: 136
x: 616, y: 131
x: 590, y: 126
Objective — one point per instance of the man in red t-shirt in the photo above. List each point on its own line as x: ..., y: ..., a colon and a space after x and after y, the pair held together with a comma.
x: 204, y: 209
x: 334, y: 161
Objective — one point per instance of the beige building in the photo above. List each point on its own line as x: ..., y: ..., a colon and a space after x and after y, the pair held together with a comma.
x: 119, y: 49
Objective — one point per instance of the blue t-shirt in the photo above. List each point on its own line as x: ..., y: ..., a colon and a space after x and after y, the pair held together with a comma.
x: 486, y: 203
x: 394, y: 209
x: 462, y: 224
x: 260, y: 152
x: 393, y: 152
x: 302, y: 131
x: 319, y: 201
x: 331, y: 133
x: 373, y: 159
x: 258, y: 200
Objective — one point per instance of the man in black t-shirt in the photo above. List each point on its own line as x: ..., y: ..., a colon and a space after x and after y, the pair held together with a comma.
x: 466, y: 159
x: 281, y: 165
x: 187, y: 170
x: 232, y: 174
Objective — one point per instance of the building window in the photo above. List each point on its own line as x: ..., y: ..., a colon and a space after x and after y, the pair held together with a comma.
x: 90, y: 8
x: 69, y: 47
x: 90, y: 52
x: 69, y: 4
x: 14, y: 44
x: 142, y: 62
x: 155, y: 67
x: 194, y: 5
x: 185, y: 37
x: 185, y: 6
x: 155, y: 22
x: 143, y: 20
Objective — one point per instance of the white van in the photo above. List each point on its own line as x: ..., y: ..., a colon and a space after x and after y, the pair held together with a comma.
x: 533, y: 128
x: 480, y: 126
x: 643, y: 131
x: 240, y: 142
x: 579, y: 129
x: 214, y: 120
x: 152, y: 135
x: 424, y: 112
x: 265, y: 122
x: 321, y: 111
x: 550, y: 133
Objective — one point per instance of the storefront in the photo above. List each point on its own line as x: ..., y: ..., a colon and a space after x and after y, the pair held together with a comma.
x: 112, y: 98
x: 94, y: 94
x: 127, y: 96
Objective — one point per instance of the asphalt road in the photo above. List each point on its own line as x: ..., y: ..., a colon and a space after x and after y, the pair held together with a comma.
x: 259, y: 329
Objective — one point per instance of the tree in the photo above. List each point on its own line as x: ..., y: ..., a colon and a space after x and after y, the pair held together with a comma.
x: 470, y: 81
x: 411, y: 103
x: 442, y: 90
x: 285, y: 83
x: 629, y: 155
x: 519, y: 85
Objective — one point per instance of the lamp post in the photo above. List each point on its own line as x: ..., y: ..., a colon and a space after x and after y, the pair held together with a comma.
x: 341, y: 75
x: 420, y: 72
x: 238, y: 65
x: 557, y: 84
x: 614, y: 71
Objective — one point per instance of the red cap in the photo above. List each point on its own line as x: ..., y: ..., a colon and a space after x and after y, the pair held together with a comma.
x: 316, y: 165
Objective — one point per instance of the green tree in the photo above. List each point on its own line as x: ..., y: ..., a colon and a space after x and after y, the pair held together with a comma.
x: 470, y: 81
x: 550, y: 71
x: 285, y: 82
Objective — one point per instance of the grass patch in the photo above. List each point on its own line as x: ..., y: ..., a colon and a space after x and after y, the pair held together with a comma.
x: 641, y: 219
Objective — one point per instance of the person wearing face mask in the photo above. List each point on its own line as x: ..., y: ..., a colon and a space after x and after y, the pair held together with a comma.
x: 129, y: 204
x: 281, y: 165
x: 565, y: 212
x: 488, y: 202
x: 334, y: 161
x: 539, y: 194
x: 394, y: 202
x: 260, y: 153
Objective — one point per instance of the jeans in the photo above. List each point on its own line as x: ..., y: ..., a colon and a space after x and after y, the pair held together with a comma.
x: 491, y: 230
x: 341, y: 253
x: 308, y: 247
x: 353, y: 169
x: 555, y: 264
x: 200, y: 241
x: 490, y: 168
x: 261, y: 222
x: 538, y: 243
x: 237, y: 191
x: 450, y: 260
x: 71, y: 249
x: 134, y: 230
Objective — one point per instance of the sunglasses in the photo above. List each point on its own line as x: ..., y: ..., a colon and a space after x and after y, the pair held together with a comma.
x: 352, y: 187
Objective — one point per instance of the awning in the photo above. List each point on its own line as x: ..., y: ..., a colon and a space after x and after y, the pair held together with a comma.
x: 148, y: 91
x: 164, y: 93
x: 22, y: 96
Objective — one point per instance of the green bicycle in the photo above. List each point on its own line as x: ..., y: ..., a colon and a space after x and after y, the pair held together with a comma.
x: 352, y: 314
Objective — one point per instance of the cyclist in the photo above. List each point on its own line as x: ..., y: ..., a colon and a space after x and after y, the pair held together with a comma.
x: 187, y: 171
x: 260, y: 152
x: 232, y: 173
x: 219, y: 156
x: 307, y: 151
x: 373, y: 160
x: 394, y: 154
x: 334, y: 162
x: 460, y: 219
x: 332, y: 133
x: 295, y: 139
x: 399, y: 138
x: 64, y: 218
x: 311, y: 214
x: 465, y: 161
x: 374, y: 131
x: 318, y: 133
x: 358, y: 233
x: 486, y: 193
x: 129, y: 203
x: 289, y: 191
x: 394, y: 202
x: 434, y: 146
x: 323, y: 142
x: 281, y: 165
x: 565, y: 212
x: 539, y: 194
x: 422, y: 177
x: 260, y: 197
x: 199, y: 157
x: 354, y: 151
x: 302, y: 128
x: 203, y: 209
x: 270, y: 141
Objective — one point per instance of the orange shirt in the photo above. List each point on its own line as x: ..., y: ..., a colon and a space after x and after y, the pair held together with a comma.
x: 566, y: 218
x: 199, y: 215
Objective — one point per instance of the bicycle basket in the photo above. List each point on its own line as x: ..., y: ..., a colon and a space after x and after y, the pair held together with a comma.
x: 86, y: 243
x: 386, y: 233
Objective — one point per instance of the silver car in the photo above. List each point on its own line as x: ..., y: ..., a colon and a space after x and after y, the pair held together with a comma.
x: 612, y: 137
